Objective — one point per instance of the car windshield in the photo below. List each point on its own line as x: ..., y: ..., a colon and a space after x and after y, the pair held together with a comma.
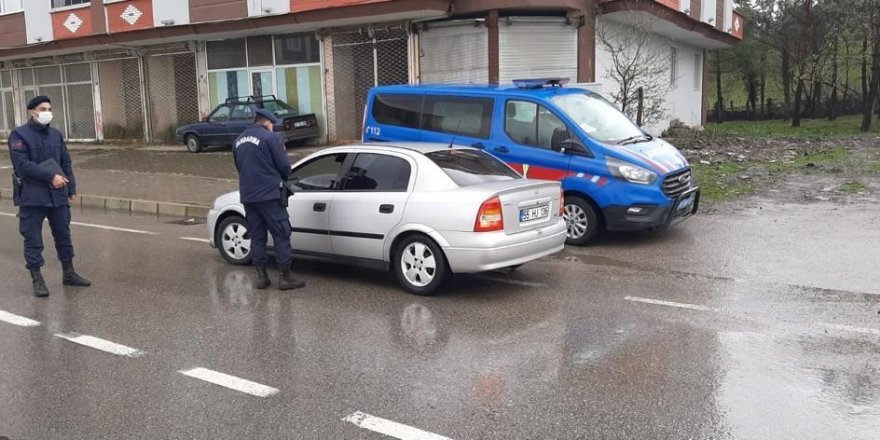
x: 472, y: 167
x: 597, y: 117
x: 279, y: 107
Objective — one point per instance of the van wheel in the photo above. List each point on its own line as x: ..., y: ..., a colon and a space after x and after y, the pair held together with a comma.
x: 193, y: 144
x: 420, y: 265
x: 581, y: 221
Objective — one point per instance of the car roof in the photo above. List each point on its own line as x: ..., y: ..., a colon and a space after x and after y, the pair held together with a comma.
x: 481, y: 89
x: 418, y: 147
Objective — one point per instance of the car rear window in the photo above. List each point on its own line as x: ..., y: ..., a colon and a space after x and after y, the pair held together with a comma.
x: 472, y: 167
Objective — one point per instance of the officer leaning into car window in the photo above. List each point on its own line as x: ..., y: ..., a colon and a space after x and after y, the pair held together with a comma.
x: 263, y: 167
x: 43, y: 187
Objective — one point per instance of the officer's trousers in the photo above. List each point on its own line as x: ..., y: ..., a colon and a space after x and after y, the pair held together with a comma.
x: 272, y: 217
x: 30, y: 225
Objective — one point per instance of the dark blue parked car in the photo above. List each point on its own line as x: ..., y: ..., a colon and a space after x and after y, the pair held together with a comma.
x: 229, y: 119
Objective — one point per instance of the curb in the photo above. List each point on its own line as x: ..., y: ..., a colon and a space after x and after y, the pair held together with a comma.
x: 134, y: 206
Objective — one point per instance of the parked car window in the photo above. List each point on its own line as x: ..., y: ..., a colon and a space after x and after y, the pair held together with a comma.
x: 528, y: 123
x: 221, y: 114
x: 458, y: 115
x: 242, y: 111
x: 400, y: 110
x: 472, y: 167
x: 319, y: 174
x: 377, y: 172
x: 280, y: 108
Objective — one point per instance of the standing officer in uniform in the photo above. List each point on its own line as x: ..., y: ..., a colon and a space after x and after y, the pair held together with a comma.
x: 263, y: 167
x: 43, y: 185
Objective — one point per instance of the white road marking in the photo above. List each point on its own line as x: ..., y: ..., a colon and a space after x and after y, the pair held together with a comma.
x: 511, y: 281
x: 200, y: 240
x: 101, y: 344
x: 390, y: 428
x: 6, y: 167
x: 670, y: 304
x: 231, y: 382
x: 20, y: 321
x: 113, y: 228
x: 90, y: 225
x: 847, y: 328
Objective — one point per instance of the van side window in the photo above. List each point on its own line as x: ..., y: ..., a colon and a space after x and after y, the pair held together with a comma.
x: 530, y: 124
x: 399, y: 110
x: 458, y: 115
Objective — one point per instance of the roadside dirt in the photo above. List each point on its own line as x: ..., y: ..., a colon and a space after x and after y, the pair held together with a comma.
x: 793, y: 170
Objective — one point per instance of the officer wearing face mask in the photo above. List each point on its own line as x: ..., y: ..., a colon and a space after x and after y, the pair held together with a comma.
x: 43, y: 185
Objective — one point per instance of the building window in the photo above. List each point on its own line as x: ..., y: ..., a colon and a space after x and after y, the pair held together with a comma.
x: 673, y: 67
x: 296, y: 49
x: 226, y: 54
x: 9, y: 6
x: 698, y: 72
x: 63, y: 3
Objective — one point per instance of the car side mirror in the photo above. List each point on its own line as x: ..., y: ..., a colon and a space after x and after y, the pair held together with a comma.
x: 292, y: 187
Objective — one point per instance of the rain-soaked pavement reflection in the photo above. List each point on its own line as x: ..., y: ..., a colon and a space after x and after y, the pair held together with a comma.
x: 653, y: 337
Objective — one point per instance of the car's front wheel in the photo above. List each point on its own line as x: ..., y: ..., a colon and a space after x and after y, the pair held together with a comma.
x: 420, y: 265
x: 233, y: 241
x: 193, y: 143
x: 580, y: 220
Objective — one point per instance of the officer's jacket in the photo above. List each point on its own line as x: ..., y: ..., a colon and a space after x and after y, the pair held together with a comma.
x: 30, y: 145
x: 262, y: 164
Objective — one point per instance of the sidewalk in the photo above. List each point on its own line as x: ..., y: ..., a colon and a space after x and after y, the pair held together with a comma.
x: 161, y: 180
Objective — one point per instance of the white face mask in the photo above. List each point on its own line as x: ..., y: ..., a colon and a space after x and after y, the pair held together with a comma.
x: 44, y: 118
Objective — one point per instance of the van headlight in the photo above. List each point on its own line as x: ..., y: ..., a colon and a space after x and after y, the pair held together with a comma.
x: 630, y: 172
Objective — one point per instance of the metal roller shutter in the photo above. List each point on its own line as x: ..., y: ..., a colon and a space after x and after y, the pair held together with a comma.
x: 536, y: 48
x: 454, y: 52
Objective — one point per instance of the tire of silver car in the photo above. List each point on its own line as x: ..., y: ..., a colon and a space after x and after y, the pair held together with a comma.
x: 581, y: 221
x: 420, y: 265
x: 233, y: 241
x: 193, y: 143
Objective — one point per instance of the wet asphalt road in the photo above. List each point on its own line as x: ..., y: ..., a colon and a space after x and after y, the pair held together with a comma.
x: 763, y: 323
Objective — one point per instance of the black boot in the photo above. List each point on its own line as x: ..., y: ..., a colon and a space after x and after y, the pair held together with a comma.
x: 71, y: 278
x: 40, y: 289
x: 288, y: 282
x: 262, y: 278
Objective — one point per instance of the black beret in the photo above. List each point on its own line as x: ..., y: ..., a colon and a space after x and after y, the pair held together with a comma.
x: 33, y: 103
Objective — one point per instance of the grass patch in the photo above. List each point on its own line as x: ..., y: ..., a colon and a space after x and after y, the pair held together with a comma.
x: 835, y: 155
x: 720, y: 181
x: 853, y: 187
x: 875, y: 167
x: 843, y: 126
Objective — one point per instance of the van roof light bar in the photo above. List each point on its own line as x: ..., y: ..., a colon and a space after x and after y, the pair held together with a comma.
x: 538, y: 83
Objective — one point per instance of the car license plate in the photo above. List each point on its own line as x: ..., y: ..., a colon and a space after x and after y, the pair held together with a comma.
x: 536, y: 213
x: 686, y: 203
x: 299, y: 124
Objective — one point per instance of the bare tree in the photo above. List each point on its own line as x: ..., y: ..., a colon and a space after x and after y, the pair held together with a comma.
x: 873, y: 88
x: 636, y: 63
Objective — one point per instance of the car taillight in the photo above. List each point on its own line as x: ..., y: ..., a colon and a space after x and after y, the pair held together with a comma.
x: 489, y: 217
x: 561, y: 202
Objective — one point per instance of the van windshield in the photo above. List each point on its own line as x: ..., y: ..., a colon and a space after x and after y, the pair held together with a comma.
x: 597, y: 117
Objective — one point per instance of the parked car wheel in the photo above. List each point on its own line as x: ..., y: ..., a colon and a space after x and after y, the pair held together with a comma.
x: 420, y: 265
x: 233, y: 241
x: 193, y: 144
x: 580, y: 220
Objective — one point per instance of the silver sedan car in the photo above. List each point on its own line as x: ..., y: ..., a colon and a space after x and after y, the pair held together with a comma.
x: 424, y: 211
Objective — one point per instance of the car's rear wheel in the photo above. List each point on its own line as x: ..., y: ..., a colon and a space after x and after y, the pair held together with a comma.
x: 581, y: 221
x: 233, y: 241
x: 193, y: 143
x: 420, y: 265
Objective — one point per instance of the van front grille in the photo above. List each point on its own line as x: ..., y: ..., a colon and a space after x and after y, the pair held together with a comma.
x: 675, y: 184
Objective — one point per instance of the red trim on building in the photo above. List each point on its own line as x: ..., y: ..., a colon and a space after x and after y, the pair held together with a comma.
x: 311, y: 5
x: 130, y: 15
x: 14, y: 31
x: 738, y: 25
x: 72, y: 23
